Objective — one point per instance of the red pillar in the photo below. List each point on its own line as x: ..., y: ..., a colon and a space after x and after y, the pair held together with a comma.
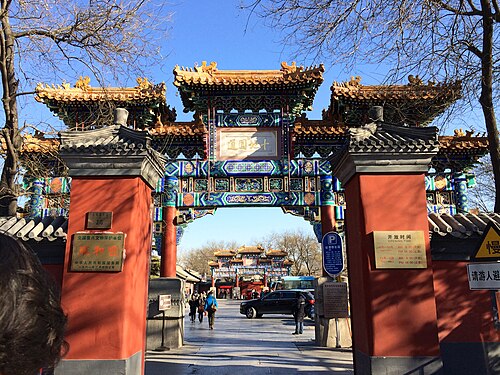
x: 105, y: 320
x: 394, y: 310
x: 169, y: 243
x: 107, y: 310
x: 327, y: 220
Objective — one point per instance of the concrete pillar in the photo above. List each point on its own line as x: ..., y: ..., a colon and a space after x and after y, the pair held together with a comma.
x: 393, y: 310
x: 106, y: 319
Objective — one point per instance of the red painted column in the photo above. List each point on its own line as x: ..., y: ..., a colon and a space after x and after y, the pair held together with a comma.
x: 327, y: 219
x: 169, y: 243
x: 393, y: 310
x: 106, y: 311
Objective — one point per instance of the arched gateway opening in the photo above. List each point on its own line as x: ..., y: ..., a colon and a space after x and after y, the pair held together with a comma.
x: 250, y: 144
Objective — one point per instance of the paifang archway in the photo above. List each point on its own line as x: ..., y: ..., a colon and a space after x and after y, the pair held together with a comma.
x: 251, y: 145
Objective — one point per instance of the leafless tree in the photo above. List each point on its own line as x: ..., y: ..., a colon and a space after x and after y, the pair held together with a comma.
x: 53, y: 39
x: 302, y: 248
x: 440, y: 40
x: 482, y: 195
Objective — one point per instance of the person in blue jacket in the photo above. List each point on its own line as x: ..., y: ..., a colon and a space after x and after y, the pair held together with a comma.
x: 211, y: 307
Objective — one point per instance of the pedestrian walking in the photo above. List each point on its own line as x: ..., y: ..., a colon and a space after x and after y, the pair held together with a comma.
x: 193, y: 307
x: 299, y: 314
x: 211, y: 307
x: 201, y: 307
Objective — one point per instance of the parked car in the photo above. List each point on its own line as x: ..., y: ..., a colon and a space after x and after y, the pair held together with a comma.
x: 277, y: 302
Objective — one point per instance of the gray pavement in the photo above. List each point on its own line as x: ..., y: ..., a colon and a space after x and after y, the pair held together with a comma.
x: 241, y: 346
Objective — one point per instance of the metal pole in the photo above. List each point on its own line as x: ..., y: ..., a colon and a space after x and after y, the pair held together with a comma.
x: 162, y: 347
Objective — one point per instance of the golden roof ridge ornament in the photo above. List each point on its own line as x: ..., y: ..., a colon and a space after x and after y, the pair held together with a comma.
x: 143, y: 83
x: 287, y: 69
x: 204, y: 68
x: 83, y: 83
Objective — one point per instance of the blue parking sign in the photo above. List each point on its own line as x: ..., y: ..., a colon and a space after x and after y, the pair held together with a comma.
x: 333, y: 258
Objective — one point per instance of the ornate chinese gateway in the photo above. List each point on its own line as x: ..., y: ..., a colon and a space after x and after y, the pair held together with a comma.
x: 250, y: 142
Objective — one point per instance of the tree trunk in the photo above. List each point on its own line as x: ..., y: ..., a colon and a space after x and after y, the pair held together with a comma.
x: 486, y: 98
x: 10, y: 132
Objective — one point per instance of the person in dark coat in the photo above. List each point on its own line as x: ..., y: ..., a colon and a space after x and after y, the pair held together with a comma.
x: 201, y: 309
x: 299, y: 314
x: 193, y: 307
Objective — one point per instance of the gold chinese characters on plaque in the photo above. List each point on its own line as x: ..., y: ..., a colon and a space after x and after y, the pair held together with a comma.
x: 399, y: 249
x: 97, y: 252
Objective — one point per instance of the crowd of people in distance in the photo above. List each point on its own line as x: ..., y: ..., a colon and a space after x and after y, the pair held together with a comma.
x: 203, y: 304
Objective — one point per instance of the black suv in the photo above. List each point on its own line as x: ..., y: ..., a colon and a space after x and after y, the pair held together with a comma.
x: 277, y: 302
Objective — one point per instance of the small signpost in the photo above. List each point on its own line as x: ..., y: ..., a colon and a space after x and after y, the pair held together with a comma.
x: 164, y: 303
x: 333, y: 257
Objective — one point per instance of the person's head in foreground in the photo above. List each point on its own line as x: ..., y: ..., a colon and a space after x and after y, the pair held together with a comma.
x: 32, y: 321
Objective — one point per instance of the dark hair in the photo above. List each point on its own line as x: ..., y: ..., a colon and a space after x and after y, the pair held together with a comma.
x: 32, y: 322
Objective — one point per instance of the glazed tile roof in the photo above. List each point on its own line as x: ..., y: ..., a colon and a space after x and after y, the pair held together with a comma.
x: 415, y: 90
x: 276, y: 253
x: 250, y: 249
x: 179, y: 129
x: 317, y: 128
x: 213, y: 264
x: 83, y: 92
x: 209, y: 75
x: 225, y: 253
x: 460, y: 225
x: 205, y: 87
x: 416, y: 103
x: 36, y: 229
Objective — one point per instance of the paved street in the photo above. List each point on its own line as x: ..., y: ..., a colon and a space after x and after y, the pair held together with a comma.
x: 240, y: 346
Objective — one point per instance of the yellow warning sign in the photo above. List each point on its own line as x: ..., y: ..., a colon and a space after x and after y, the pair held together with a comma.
x: 489, y: 247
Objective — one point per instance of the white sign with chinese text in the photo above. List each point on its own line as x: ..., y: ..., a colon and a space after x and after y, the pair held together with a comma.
x: 164, y: 302
x: 484, y: 276
x: 247, y: 143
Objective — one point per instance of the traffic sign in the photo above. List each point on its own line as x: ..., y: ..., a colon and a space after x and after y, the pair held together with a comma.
x: 333, y: 257
x: 489, y: 246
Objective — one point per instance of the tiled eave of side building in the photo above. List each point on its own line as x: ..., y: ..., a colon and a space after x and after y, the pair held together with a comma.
x: 457, y: 237
x: 416, y: 103
x: 456, y: 152
x: 205, y: 86
x: 74, y: 104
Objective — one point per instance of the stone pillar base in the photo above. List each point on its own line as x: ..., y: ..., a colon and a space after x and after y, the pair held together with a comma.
x: 173, y: 322
x: 127, y: 366
x: 326, y: 333
x: 372, y: 365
